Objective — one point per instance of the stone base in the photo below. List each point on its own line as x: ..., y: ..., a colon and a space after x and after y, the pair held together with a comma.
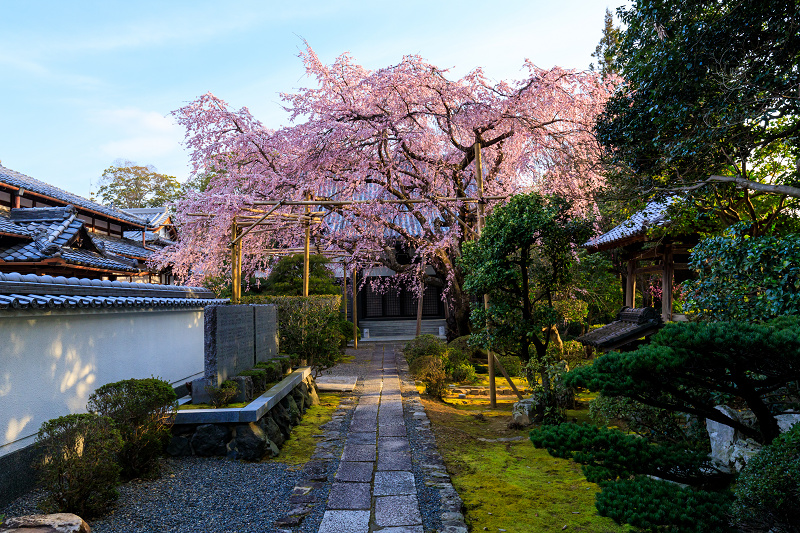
x: 46, y: 523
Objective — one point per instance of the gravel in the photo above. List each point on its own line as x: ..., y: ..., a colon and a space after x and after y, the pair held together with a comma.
x: 195, y: 494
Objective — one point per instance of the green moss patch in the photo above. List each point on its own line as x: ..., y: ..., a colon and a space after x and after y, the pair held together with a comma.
x: 511, y: 485
x: 302, y: 443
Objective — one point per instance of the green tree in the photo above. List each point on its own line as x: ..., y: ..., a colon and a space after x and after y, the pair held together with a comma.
x: 286, y: 277
x: 606, y: 51
x: 126, y: 184
x: 523, y: 260
x: 711, y: 89
x: 693, y: 367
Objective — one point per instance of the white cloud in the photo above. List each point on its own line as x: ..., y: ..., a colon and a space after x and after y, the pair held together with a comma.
x: 138, y: 135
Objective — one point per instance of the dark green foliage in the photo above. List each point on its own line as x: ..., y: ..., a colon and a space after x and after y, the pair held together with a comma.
x: 273, y: 369
x: 524, y: 260
x: 224, y: 394
x: 259, y: 377
x: 606, y: 51
x: 424, y: 345
x: 512, y: 364
x: 309, y: 327
x: 451, y: 361
x: 709, y: 89
x: 740, y: 277
x: 469, y: 350
x: 346, y: 330
x: 652, y: 423
x: 286, y: 277
x: 464, y: 373
x: 693, y: 367
x: 658, y: 506
x: 143, y: 411
x: 78, y: 464
x: 768, y: 489
x: 609, y: 454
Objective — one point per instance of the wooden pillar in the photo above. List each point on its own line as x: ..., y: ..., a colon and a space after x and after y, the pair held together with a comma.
x: 479, y: 180
x: 420, y: 300
x: 236, y: 264
x: 306, y: 249
x: 666, y: 285
x: 354, y: 283
x: 344, y: 289
x: 630, y: 287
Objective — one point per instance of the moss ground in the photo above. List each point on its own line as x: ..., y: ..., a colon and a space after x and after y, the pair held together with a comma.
x: 511, y: 486
x: 300, y: 446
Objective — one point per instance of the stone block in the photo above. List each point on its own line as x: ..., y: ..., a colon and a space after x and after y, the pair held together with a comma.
x: 244, y: 386
x: 250, y: 442
x: 397, y: 511
x: 345, y: 522
x: 229, y: 341
x: 272, y: 430
x: 210, y: 439
x: 355, y: 471
x: 200, y: 391
x: 523, y: 411
x: 349, y: 496
x: 265, y: 319
x: 394, y: 483
x: 358, y: 452
x: 722, y: 437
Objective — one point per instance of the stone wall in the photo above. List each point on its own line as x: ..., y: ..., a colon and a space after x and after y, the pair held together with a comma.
x: 248, y: 441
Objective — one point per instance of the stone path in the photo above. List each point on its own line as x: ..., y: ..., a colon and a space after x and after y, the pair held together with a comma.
x: 374, y: 487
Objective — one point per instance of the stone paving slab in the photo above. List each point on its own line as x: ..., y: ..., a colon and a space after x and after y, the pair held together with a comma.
x: 355, y: 471
x: 336, y: 383
x: 358, y: 452
x: 392, y: 430
x: 397, y: 511
x: 350, y: 496
x: 361, y: 438
x: 393, y: 444
x: 345, y: 522
x: 394, y: 461
x: 394, y: 483
x: 404, y: 529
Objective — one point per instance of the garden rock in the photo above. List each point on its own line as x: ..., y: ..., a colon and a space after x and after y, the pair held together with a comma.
x: 722, y: 437
x: 786, y: 421
x: 291, y: 407
x: 281, y: 416
x: 312, y: 391
x: 46, y: 523
x: 250, y: 442
x: 244, y: 386
x: 179, y: 445
x: 299, y: 400
x: 742, y: 451
x: 524, y: 411
x: 273, y: 431
x: 210, y: 439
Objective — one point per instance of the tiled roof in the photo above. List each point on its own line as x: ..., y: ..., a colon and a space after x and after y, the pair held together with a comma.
x: 150, y: 238
x: 17, y: 179
x: 11, y: 228
x: 52, y: 231
x: 29, y: 291
x: 631, y: 324
x: 124, y: 247
x: 155, y: 216
x: 655, y: 214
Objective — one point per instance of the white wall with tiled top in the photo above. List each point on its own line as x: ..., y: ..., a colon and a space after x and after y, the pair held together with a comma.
x: 51, y: 361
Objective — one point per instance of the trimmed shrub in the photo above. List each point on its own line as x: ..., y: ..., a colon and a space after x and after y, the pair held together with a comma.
x: 464, y: 373
x: 78, y: 463
x: 424, y: 346
x: 512, y: 364
x: 658, y: 506
x: 259, y: 376
x: 273, y: 370
x: 768, y: 490
x: 430, y: 370
x: 143, y: 410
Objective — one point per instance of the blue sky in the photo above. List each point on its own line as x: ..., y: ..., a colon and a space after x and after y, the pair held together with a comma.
x: 85, y: 83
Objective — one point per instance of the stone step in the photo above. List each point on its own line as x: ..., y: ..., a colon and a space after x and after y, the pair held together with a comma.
x: 401, y: 328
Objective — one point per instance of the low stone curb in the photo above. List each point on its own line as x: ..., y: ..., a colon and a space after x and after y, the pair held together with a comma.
x: 434, y: 471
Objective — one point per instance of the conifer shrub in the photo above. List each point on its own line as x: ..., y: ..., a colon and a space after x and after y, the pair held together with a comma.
x: 464, y: 373
x: 143, y: 411
x: 273, y: 369
x: 78, y: 463
x: 658, y: 506
x: 259, y: 377
x: 424, y: 346
x: 768, y: 489
x: 512, y: 364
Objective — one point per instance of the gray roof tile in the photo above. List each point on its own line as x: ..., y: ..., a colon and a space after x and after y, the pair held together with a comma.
x: 654, y: 215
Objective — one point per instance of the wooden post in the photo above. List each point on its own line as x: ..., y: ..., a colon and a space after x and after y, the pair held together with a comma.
x: 630, y: 287
x: 666, y: 285
x: 354, y: 283
x: 420, y: 300
x: 344, y: 289
x: 306, y: 250
x: 236, y: 264
x: 479, y: 180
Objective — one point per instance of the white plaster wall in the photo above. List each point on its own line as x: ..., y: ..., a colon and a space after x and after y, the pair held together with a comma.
x: 50, y: 362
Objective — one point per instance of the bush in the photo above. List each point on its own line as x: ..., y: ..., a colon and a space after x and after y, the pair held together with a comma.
x: 768, y: 489
x: 471, y: 352
x: 424, y: 346
x: 430, y: 370
x: 658, y: 506
x: 143, y: 410
x: 346, y: 329
x: 78, y: 463
x: 273, y: 369
x: 259, y: 377
x: 308, y: 327
x: 222, y: 395
x: 464, y: 373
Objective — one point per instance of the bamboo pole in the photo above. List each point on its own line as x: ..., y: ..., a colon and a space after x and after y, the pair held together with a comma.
x: 420, y: 300
x: 466, y: 199
x: 236, y: 264
x: 249, y: 229
x: 479, y: 179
